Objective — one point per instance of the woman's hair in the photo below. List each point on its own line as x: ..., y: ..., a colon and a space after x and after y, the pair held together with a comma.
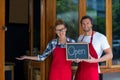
x: 59, y: 22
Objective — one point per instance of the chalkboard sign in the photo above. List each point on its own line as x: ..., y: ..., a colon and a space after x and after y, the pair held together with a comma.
x: 77, y: 50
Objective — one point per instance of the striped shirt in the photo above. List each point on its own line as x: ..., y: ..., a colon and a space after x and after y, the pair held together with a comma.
x: 51, y: 46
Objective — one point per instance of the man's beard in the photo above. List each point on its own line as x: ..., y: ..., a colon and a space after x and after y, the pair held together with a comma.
x: 87, y: 30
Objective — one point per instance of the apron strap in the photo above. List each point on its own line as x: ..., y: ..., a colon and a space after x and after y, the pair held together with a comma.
x: 90, y: 39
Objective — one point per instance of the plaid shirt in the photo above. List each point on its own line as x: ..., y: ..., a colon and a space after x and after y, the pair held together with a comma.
x: 51, y: 46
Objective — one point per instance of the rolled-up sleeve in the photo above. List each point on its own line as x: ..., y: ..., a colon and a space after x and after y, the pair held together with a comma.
x: 50, y: 47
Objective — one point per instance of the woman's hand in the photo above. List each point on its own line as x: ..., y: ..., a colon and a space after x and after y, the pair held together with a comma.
x: 27, y: 57
x: 21, y: 57
x: 78, y: 60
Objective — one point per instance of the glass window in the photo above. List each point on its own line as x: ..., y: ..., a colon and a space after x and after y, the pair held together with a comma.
x: 116, y: 31
x: 36, y: 26
x: 36, y: 74
x: 67, y: 10
x: 111, y: 76
x: 96, y: 9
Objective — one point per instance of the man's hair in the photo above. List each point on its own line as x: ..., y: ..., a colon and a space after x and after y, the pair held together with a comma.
x: 87, y: 17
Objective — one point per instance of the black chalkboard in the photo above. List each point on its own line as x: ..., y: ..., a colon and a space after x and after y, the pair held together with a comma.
x: 77, y: 50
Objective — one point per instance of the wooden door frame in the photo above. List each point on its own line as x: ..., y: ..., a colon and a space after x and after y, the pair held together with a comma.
x: 82, y: 11
x: 30, y: 15
x: 109, y: 67
x: 2, y: 39
x: 34, y: 64
x: 50, y: 34
x: 42, y: 35
x: 49, y: 17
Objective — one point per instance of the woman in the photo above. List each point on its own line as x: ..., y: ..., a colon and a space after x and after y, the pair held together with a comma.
x: 60, y: 67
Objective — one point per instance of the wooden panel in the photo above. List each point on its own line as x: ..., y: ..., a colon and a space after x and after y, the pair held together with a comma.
x: 50, y: 20
x: 109, y: 26
x: 82, y: 12
x: 31, y: 25
x: 18, y: 11
x: 10, y: 67
x: 110, y: 70
x: 42, y: 35
x: 33, y: 64
x: 2, y: 38
x: 30, y: 35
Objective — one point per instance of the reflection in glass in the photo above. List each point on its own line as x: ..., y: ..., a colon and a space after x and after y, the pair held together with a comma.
x: 36, y: 74
x: 116, y: 31
x: 67, y: 10
x: 111, y: 76
x: 96, y: 9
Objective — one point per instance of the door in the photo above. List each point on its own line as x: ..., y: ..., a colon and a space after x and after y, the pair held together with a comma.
x: 37, y: 38
x: 2, y: 40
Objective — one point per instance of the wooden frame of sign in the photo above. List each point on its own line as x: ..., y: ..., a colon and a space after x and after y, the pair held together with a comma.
x: 77, y: 51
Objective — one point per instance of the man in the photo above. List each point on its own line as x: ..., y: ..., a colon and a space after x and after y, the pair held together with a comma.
x: 89, y: 69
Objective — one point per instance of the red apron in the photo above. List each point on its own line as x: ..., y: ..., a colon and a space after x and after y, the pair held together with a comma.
x: 60, y: 67
x: 88, y: 71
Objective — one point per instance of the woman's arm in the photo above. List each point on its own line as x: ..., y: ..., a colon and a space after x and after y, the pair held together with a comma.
x: 50, y: 47
x: 27, y: 57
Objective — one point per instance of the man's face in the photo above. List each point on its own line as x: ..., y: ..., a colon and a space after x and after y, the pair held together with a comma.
x: 86, y: 25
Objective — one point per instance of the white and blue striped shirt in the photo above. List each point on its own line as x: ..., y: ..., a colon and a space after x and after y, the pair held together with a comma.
x: 51, y: 46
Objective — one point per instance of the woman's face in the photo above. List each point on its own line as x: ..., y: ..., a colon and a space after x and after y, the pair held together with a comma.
x: 60, y: 30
